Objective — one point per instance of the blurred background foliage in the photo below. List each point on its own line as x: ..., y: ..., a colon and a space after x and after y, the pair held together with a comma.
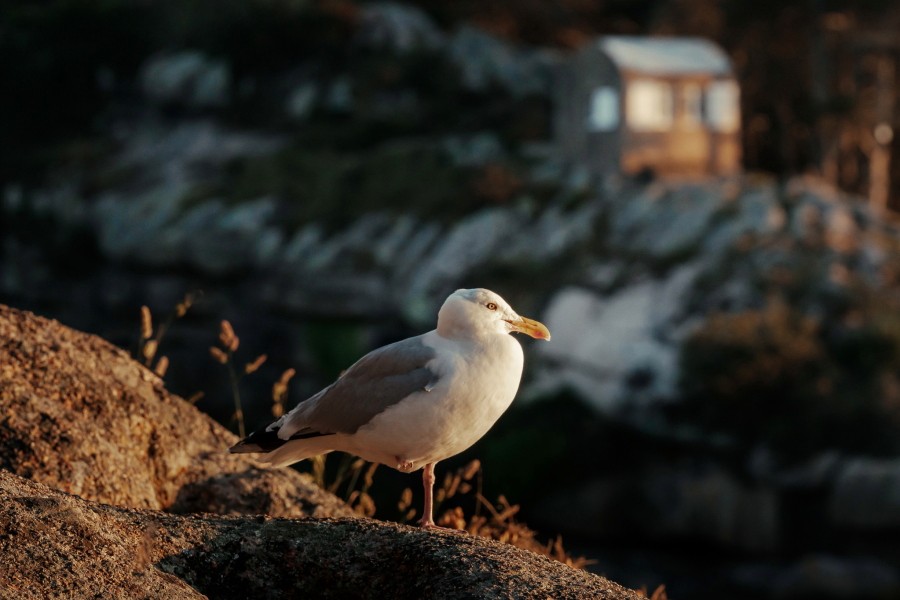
x: 778, y: 377
x: 58, y: 51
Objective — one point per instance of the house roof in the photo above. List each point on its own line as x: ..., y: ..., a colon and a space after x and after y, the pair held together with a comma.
x: 665, y: 55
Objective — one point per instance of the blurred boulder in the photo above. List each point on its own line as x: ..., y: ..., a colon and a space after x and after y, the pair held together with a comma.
x: 157, y: 220
x: 301, y: 100
x: 841, y: 230
x: 711, y: 504
x: 398, y: 27
x: 757, y: 213
x: 486, y: 62
x: 683, y: 503
x: 866, y: 495
x: 218, y: 241
x: 665, y: 223
x: 338, y: 96
x: 466, y: 245
x: 613, y: 349
x: 185, y: 149
x: 846, y: 578
x: 475, y: 150
x: 187, y: 78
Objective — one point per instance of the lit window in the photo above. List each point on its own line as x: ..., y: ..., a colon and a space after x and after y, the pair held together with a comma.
x: 723, y: 106
x: 650, y: 105
x: 604, y: 114
x: 692, y: 99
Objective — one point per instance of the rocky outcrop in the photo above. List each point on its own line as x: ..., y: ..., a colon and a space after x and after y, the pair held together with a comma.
x: 79, y: 415
x: 188, y: 78
x: 866, y: 495
x: 57, y: 545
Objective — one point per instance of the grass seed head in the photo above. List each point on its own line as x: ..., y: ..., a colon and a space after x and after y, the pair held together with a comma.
x: 405, y: 500
x: 146, y: 323
x: 149, y: 349
x: 185, y: 305
x: 227, y: 337
x: 471, y: 469
x: 162, y: 365
x: 195, y: 397
x: 252, y: 367
x: 218, y: 355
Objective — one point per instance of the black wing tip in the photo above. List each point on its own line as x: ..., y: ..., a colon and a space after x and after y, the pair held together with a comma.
x: 244, y: 447
x: 264, y: 441
x: 258, y: 441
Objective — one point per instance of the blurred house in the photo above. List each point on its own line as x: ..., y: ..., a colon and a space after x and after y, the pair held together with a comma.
x: 649, y: 105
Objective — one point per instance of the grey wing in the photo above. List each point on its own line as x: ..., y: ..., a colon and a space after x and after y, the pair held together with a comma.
x: 374, y: 383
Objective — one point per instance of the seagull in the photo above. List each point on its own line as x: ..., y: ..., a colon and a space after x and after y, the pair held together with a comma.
x: 415, y: 402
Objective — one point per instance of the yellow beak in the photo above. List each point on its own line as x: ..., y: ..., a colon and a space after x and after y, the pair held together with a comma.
x: 535, y: 329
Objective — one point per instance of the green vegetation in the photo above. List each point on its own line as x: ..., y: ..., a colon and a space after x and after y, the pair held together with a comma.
x: 315, y: 183
x: 778, y: 377
x: 332, y: 186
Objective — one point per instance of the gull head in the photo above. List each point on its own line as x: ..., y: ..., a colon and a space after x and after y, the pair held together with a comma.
x: 468, y: 313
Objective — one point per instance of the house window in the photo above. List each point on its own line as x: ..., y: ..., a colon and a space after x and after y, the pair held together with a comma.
x: 692, y: 103
x: 604, y: 115
x: 723, y: 106
x: 650, y: 105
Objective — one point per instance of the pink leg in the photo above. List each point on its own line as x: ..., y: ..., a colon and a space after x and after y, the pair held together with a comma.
x: 427, y: 521
x: 428, y: 485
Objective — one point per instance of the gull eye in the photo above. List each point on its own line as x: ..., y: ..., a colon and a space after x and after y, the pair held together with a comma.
x: 491, y: 306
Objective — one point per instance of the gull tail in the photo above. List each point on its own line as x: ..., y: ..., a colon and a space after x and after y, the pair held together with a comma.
x: 281, y: 452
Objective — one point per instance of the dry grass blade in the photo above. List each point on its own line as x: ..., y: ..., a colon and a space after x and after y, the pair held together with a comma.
x: 318, y: 470
x: 252, y: 367
x: 150, y: 340
x: 279, y: 392
x: 369, y: 477
x: 658, y: 594
x: 471, y: 469
x: 454, y: 485
x: 365, y: 505
x: 509, y: 510
x: 280, y: 387
x: 406, y: 498
x: 195, y: 397
x: 182, y: 307
x: 227, y: 337
x: 217, y: 354
x: 146, y: 323
x: 502, y: 526
x: 162, y: 365
x: 149, y: 350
